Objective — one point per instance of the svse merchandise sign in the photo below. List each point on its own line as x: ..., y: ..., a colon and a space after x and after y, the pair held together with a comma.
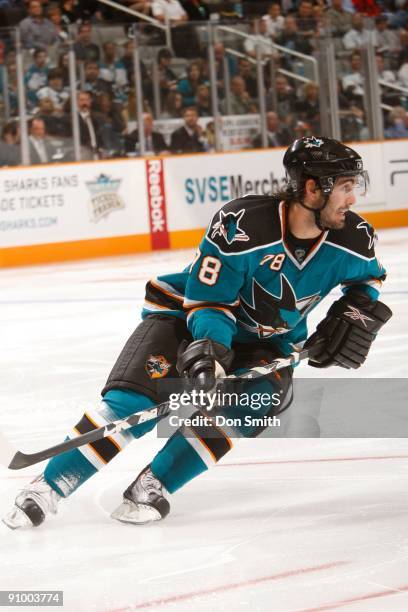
x: 195, y: 190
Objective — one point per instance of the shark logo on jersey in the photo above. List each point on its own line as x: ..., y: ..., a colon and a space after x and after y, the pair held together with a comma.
x: 275, y: 314
x: 356, y: 315
x: 157, y: 366
x: 313, y: 142
x: 372, y: 237
x: 228, y: 227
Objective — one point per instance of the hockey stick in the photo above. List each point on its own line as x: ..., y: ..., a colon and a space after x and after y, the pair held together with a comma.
x: 22, y: 460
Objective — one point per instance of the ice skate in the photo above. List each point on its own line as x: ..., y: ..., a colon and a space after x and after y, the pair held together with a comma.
x: 143, y: 501
x: 32, y: 505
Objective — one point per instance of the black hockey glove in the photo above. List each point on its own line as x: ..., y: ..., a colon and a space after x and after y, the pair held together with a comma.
x: 202, y: 361
x: 348, y: 330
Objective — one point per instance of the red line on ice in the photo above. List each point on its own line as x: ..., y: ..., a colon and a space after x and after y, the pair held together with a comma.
x: 269, y: 462
x: 229, y: 587
x: 321, y: 460
x: 352, y: 600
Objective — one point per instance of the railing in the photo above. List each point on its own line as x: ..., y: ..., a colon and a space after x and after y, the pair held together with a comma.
x: 283, y: 50
x: 333, y: 117
x: 154, y: 22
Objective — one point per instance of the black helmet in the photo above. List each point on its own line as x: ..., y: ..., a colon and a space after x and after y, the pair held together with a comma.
x: 323, y: 159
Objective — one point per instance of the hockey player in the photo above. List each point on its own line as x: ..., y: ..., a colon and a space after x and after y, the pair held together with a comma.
x: 263, y: 265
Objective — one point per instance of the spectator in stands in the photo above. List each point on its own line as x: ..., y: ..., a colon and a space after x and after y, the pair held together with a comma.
x: 204, y: 101
x: 40, y: 147
x: 398, y: 123
x: 185, y: 41
x: 245, y: 70
x: 352, y: 118
x: 320, y: 18
x: 63, y: 65
x: 167, y: 78
x: 353, y: 82
x: 130, y: 107
x: 308, y: 108
x: 127, y: 61
x: 173, y: 106
x: 70, y: 12
x: 339, y: 20
x: 302, y: 129
x: 9, y: 144
x: 383, y: 74
x: 89, y: 125
x: 259, y: 36
x: 274, y: 20
x: 85, y: 49
x: 55, y: 123
x: 36, y: 31
x: 219, y: 54
x: 285, y: 99
x: 240, y: 101
x: 399, y: 19
x: 36, y: 76
x: 385, y: 40
x: 278, y: 135
x: 154, y: 141
x: 389, y: 96
x: 111, y: 124
x: 403, y: 75
x: 55, y: 89
x: 170, y: 9
x: 112, y: 70
x: 189, y: 138
x: 305, y: 21
x: 292, y: 39
x: 403, y: 54
x: 55, y: 16
x: 93, y: 83
x: 12, y: 87
x: 188, y: 86
x: 355, y: 38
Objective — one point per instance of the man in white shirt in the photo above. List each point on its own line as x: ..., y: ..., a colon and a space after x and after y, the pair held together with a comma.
x: 353, y: 83
x: 262, y: 38
x: 274, y: 20
x: 357, y: 36
x: 171, y: 9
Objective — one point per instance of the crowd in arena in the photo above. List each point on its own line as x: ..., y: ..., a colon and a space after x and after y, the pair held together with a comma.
x: 106, y: 93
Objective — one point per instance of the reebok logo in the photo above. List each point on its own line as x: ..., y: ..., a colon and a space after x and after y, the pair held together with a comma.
x: 356, y: 315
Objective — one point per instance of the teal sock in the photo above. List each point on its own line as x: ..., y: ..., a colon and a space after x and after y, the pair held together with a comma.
x: 177, y: 463
x: 66, y: 472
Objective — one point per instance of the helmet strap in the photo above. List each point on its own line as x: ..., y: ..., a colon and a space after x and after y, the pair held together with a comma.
x: 316, y: 211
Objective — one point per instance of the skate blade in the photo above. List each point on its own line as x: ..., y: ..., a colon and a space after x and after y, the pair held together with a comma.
x: 136, y: 514
x: 16, y: 519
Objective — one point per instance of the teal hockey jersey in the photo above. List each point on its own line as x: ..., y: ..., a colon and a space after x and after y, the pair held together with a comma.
x: 245, y: 284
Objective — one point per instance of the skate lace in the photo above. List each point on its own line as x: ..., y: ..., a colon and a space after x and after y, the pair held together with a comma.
x: 151, y: 484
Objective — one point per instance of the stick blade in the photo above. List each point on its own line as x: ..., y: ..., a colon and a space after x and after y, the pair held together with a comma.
x: 20, y: 461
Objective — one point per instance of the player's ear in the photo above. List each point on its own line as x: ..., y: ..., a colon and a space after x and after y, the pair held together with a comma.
x: 311, y: 186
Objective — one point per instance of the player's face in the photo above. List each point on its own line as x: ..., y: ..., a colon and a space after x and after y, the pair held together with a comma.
x: 343, y: 196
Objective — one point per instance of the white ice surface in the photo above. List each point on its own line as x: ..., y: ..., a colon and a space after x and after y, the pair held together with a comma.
x: 282, y: 525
